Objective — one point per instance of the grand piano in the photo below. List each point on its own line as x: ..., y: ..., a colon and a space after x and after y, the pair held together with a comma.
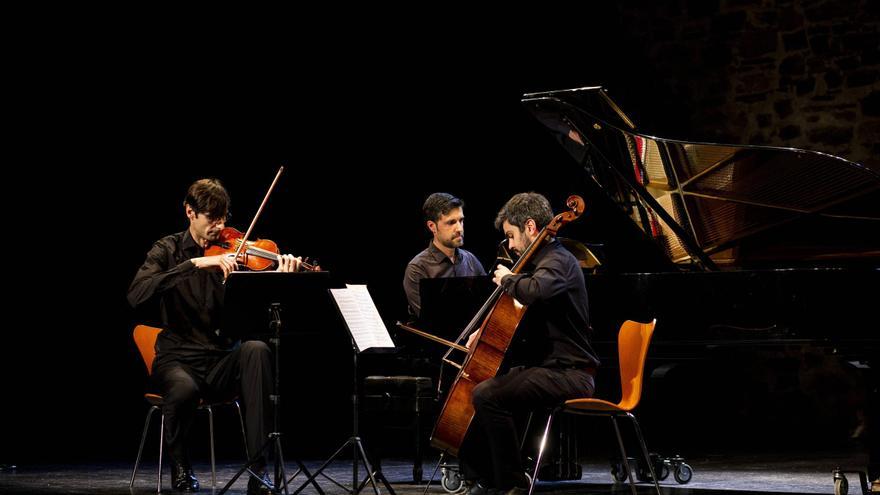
x: 761, y: 265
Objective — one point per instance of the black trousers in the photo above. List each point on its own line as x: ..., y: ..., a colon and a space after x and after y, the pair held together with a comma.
x: 245, y: 372
x: 490, y: 452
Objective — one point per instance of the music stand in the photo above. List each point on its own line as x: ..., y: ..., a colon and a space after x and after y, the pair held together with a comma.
x: 255, y: 300
x: 366, y: 330
x: 449, y: 303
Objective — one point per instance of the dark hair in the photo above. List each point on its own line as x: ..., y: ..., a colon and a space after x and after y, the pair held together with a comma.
x: 208, y: 196
x: 522, y: 207
x: 439, y: 204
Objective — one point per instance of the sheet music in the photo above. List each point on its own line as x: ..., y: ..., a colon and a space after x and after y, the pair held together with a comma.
x: 362, y: 317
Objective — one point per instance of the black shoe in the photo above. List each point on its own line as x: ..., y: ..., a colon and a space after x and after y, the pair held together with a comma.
x: 183, y: 479
x: 477, y: 488
x: 260, y: 486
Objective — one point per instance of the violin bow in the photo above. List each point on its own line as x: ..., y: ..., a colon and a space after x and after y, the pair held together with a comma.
x: 257, y: 215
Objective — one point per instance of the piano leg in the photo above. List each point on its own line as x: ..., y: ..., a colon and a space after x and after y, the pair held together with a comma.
x: 874, y: 424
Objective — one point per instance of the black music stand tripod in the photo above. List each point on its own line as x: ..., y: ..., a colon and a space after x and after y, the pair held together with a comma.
x: 357, y: 444
x: 273, y: 440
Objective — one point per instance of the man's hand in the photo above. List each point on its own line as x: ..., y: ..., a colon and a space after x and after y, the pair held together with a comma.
x: 500, y: 272
x: 289, y: 263
x: 224, y: 262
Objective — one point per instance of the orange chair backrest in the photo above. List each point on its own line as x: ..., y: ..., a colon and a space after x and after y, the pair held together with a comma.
x: 632, y: 347
x: 145, y: 338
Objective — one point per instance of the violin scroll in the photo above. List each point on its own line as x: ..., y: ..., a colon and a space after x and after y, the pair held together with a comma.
x: 575, y: 205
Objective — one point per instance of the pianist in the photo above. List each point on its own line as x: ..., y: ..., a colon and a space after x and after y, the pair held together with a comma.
x: 444, y: 257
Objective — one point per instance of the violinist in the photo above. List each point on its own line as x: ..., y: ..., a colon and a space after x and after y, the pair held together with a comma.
x: 560, y: 363
x: 192, y: 360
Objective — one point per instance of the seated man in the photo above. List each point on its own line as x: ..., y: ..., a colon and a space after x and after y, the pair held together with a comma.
x: 444, y: 257
x: 192, y: 360
x: 559, y: 364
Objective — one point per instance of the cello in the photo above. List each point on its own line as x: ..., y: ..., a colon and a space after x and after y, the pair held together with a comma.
x: 498, y: 320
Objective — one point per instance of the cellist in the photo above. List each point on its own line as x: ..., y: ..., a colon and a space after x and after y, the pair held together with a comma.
x: 192, y: 360
x: 560, y: 363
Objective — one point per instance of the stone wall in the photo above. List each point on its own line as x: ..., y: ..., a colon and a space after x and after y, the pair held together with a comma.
x: 796, y: 73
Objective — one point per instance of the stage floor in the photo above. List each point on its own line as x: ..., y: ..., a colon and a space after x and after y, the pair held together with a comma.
x: 766, y: 473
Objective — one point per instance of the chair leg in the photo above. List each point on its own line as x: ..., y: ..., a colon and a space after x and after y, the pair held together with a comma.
x: 417, y: 439
x: 137, y: 461
x: 645, y: 451
x: 632, y: 482
x: 522, y: 442
x: 210, y: 410
x: 434, y: 473
x: 541, y: 451
x: 161, y: 447
x: 247, y: 454
x: 211, y: 431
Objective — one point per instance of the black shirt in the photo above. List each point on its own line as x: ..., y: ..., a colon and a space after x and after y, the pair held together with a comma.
x: 433, y: 263
x: 556, y: 326
x: 190, y: 300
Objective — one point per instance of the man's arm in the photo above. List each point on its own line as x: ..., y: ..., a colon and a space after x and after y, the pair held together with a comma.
x: 155, y: 276
x: 411, y: 278
x: 546, y: 281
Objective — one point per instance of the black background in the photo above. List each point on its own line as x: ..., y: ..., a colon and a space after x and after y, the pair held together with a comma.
x: 369, y: 117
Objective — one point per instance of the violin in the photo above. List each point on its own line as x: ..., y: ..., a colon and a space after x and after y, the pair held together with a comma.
x: 256, y: 255
x: 259, y: 255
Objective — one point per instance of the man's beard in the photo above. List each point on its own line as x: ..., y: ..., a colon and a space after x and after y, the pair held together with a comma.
x: 455, y: 242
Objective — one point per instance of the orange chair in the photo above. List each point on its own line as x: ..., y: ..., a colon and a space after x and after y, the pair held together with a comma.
x: 632, y: 347
x: 145, y: 338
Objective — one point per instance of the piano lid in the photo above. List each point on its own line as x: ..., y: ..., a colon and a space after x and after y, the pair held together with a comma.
x: 714, y: 205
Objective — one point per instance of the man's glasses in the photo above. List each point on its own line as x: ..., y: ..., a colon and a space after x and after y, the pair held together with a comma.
x: 215, y: 221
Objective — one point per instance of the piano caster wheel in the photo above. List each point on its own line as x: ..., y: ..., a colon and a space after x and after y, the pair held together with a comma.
x: 450, y: 480
x: 841, y: 486
x: 664, y: 472
x: 683, y: 473
x: 618, y: 472
x: 643, y: 471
